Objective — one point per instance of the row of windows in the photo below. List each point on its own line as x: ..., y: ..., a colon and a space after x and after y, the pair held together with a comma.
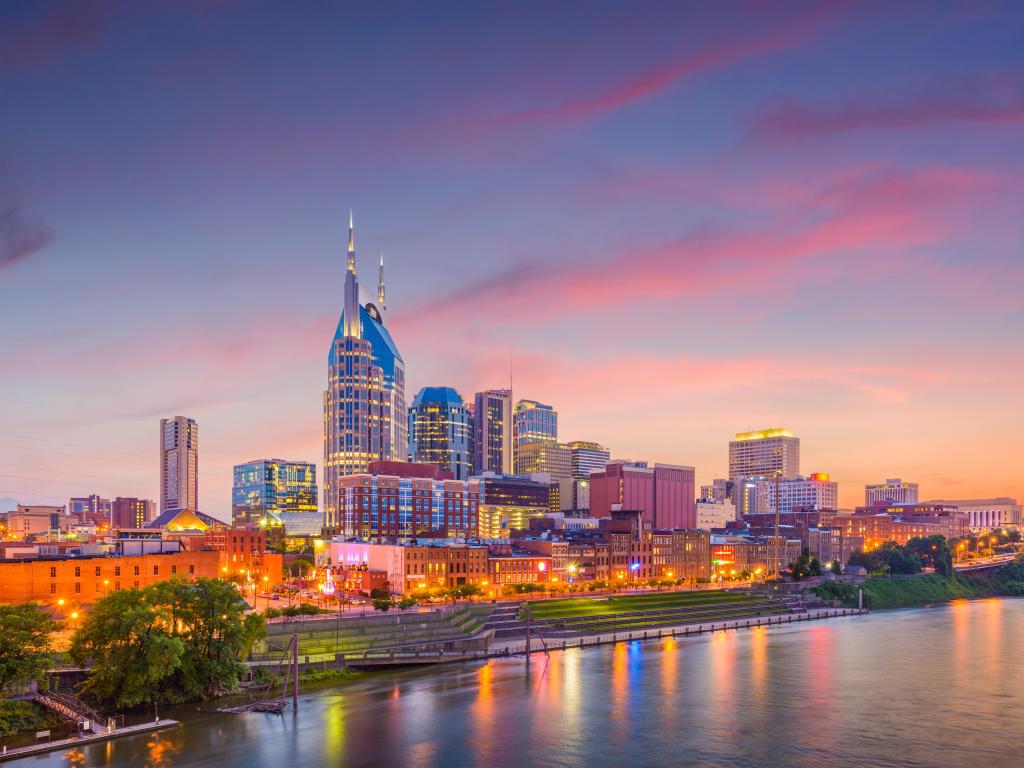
x: 117, y: 570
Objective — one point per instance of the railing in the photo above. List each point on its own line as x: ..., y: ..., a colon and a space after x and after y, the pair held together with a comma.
x: 70, y: 707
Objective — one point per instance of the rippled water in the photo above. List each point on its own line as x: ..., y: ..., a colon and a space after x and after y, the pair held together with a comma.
x: 939, y: 686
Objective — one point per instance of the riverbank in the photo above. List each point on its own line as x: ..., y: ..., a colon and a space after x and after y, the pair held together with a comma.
x: 928, y: 588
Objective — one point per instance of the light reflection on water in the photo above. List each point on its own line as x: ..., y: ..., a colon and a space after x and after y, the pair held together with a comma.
x: 940, y: 687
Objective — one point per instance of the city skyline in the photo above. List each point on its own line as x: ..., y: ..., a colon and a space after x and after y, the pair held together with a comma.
x: 822, y: 255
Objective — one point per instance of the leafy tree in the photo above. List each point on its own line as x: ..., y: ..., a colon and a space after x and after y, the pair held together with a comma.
x: 24, y: 644
x: 125, y: 640
x: 407, y: 602
x: 382, y: 604
x: 814, y: 567
x: 836, y: 568
x: 299, y: 566
x: 172, y: 641
x: 800, y: 568
x: 467, y: 590
x: 380, y: 594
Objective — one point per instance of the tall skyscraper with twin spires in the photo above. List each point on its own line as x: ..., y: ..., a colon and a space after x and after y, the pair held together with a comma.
x: 365, y: 416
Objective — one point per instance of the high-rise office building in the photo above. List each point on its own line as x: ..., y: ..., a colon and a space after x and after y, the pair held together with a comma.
x: 441, y: 431
x: 179, y: 464
x: 129, y: 512
x: 762, y: 453
x: 492, y: 432
x: 587, y: 457
x: 532, y: 421
x: 267, y: 490
x: 892, y: 491
x: 544, y: 456
x: 365, y: 415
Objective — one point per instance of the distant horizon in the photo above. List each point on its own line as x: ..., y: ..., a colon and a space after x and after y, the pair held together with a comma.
x: 672, y: 226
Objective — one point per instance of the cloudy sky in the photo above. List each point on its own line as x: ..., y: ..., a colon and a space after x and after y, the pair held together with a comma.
x: 675, y: 220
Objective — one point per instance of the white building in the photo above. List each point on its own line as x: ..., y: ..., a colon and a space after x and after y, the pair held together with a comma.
x: 986, y: 514
x: 762, y: 453
x: 179, y: 464
x: 892, y: 491
x: 813, y: 493
x: 714, y: 514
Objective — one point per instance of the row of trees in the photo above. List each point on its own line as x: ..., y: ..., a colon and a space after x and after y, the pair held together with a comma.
x: 913, y: 557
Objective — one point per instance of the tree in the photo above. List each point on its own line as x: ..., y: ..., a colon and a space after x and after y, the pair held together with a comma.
x: 382, y: 604
x: 836, y: 568
x: 467, y: 590
x: 800, y: 568
x: 173, y: 641
x: 814, y: 567
x: 124, y: 639
x: 299, y: 566
x: 24, y: 644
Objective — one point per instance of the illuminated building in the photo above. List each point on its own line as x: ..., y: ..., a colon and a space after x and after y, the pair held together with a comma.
x: 80, y: 580
x: 556, y: 550
x: 877, y: 529
x: 518, y: 568
x: 179, y: 464
x: 441, y: 431
x: 411, y: 566
x: 492, y: 432
x: 762, y: 453
x: 385, y: 507
x: 664, y: 493
x: 265, y: 491
x: 719, y: 490
x: 35, y: 520
x: 815, y: 492
x: 533, y: 421
x: 587, y: 457
x: 184, y: 520
x: 893, y: 490
x: 509, y: 502
x: 365, y: 416
x: 831, y: 545
x: 953, y: 522
x: 681, y: 554
x: 129, y: 512
x: 544, y: 456
x: 757, y: 556
x: 986, y: 514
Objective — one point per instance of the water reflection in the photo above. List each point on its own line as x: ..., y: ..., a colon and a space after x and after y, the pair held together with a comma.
x: 940, y: 687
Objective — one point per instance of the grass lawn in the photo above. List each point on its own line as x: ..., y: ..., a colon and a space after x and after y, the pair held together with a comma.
x: 572, y: 607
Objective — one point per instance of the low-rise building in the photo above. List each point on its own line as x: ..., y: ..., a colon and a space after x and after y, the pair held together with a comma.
x: 986, y: 514
x: 681, y: 554
x: 713, y: 514
x: 759, y: 556
x: 411, y: 566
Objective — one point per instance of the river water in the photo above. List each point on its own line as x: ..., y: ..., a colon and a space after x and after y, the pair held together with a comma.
x: 934, y: 687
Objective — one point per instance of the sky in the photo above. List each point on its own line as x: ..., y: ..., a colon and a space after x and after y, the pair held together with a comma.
x: 672, y: 221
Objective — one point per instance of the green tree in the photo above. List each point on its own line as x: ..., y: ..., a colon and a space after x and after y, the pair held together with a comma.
x: 299, y: 566
x: 800, y: 568
x: 382, y: 604
x: 467, y: 590
x: 836, y: 568
x: 24, y: 644
x: 125, y: 641
x: 814, y: 567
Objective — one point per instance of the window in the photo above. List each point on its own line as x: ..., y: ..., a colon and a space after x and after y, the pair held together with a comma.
x: 156, y: 570
x: 97, y: 570
x: 117, y: 570
x: 78, y: 587
x: 78, y: 571
x: 136, y: 573
x: 53, y: 573
x: 191, y: 569
x: 53, y: 589
x: 117, y: 586
x: 174, y: 569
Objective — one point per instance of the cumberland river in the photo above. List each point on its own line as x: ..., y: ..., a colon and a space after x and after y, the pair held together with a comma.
x: 939, y: 686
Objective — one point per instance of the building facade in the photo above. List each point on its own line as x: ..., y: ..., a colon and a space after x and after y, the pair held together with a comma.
x: 761, y: 453
x: 179, y: 464
x: 364, y: 410
x: 681, y: 554
x: 712, y: 515
x: 533, y: 421
x: 544, y: 456
x: 441, y: 431
x: 892, y: 491
x: 664, y: 493
x: 816, y: 492
x: 382, y: 508
x: 130, y: 512
x: 492, y: 432
x: 986, y: 514
x: 264, y: 490
x: 508, y: 503
x: 412, y: 566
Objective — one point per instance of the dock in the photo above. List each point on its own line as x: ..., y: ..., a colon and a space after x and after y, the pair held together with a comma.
x: 78, y: 741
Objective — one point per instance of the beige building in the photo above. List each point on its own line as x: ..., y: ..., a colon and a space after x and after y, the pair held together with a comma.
x: 179, y: 464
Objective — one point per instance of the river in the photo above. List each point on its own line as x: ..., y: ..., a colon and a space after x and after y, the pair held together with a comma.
x: 940, y: 686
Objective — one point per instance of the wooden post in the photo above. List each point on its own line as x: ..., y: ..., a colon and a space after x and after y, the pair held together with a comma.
x: 295, y: 670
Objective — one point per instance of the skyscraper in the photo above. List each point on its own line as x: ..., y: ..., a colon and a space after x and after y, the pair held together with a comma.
x: 179, y: 464
x: 268, y: 490
x: 492, y: 432
x: 533, y: 421
x: 364, y: 411
x: 763, y: 453
x: 587, y: 457
x: 441, y: 431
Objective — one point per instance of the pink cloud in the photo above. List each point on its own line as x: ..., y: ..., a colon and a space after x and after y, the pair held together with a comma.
x: 984, y: 104
x: 709, y: 58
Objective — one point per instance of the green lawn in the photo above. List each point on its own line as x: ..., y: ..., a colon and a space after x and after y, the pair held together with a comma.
x: 572, y: 607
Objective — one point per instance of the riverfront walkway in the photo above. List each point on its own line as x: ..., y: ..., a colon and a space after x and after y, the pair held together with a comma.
x: 77, y: 741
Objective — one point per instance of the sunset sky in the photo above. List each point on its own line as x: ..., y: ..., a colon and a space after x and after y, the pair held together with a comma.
x: 675, y: 220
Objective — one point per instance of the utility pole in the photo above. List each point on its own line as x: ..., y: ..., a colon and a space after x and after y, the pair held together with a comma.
x: 778, y: 505
x: 295, y: 673
x: 527, y: 607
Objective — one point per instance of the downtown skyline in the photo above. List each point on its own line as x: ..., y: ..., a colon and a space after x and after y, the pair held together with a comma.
x: 671, y: 243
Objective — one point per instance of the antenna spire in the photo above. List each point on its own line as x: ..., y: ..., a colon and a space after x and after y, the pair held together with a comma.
x: 351, y: 243
x: 380, y: 284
